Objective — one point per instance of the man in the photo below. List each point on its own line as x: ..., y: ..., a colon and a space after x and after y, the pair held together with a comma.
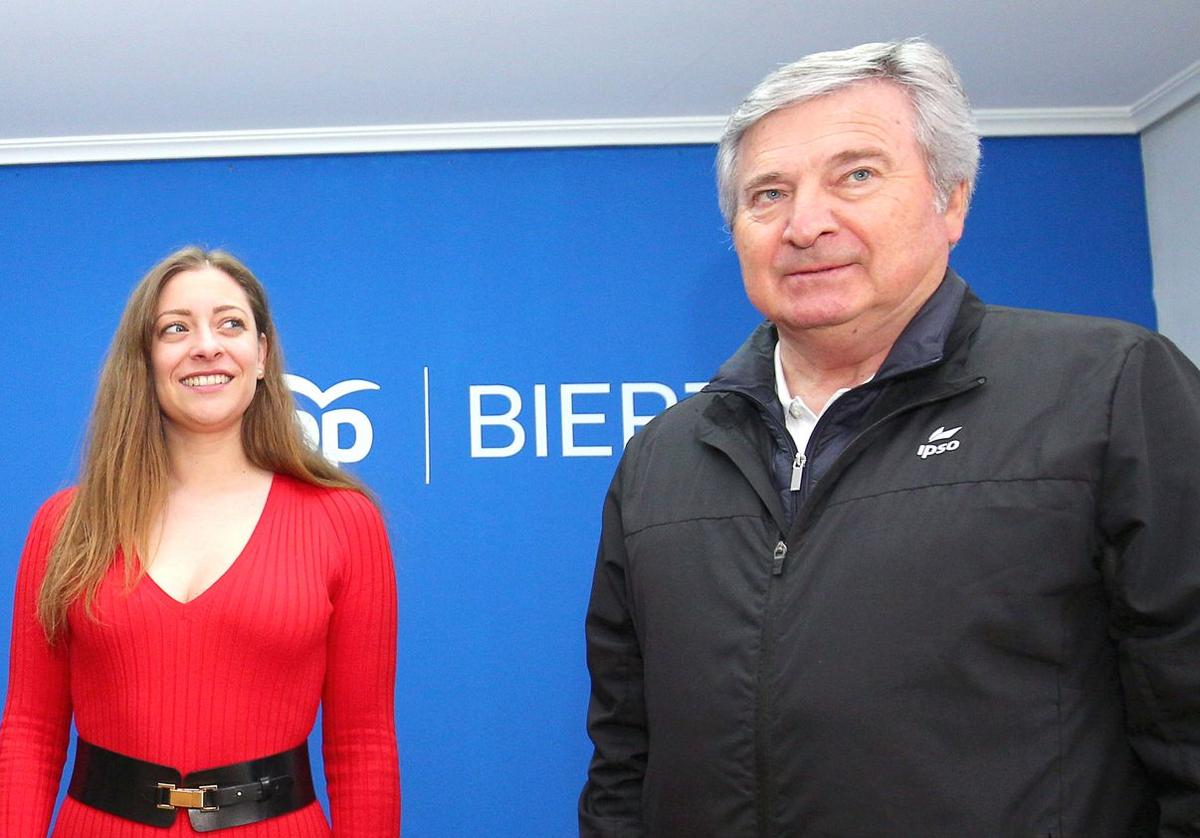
x: 910, y: 565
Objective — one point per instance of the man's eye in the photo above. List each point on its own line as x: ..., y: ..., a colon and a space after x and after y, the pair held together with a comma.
x: 767, y: 196
x: 860, y: 175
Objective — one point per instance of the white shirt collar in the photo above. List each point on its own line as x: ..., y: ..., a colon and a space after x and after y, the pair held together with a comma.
x: 799, y: 417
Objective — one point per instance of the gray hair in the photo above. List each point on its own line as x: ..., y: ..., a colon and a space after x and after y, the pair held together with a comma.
x: 945, y: 128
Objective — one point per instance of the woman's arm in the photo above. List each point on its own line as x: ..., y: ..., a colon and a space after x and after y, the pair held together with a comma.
x: 361, y: 763
x: 37, y: 712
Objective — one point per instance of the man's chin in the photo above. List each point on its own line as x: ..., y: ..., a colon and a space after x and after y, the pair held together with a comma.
x: 813, y: 312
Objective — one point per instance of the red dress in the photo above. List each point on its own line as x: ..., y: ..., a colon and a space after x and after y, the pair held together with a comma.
x: 305, y: 616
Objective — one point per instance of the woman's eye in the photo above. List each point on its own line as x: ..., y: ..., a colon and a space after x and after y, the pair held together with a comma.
x: 235, y: 323
x: 173, y: 329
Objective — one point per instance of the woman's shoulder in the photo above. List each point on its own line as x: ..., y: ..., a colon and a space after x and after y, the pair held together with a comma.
x: 53, y: 509
x: 305, y: 492
x: 338, y: 506
x: 346, y: 522
x: 43, y: 530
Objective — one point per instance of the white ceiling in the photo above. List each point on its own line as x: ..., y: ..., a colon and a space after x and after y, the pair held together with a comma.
x: 136, y: 67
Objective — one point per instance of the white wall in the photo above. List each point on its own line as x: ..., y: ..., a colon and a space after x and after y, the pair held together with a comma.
x: 1171, y: 156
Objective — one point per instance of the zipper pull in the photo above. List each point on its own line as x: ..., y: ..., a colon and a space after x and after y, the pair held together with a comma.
x: 797, y: 471
x: 777, y: 558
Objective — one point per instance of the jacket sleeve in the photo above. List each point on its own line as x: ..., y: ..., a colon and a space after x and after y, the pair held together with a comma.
x: 1150, y: 516
x: 611, y: 803
x: 358, y: 717
x: 37, y: 711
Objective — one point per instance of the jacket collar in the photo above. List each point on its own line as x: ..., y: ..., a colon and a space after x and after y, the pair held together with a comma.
x: 950, y: 314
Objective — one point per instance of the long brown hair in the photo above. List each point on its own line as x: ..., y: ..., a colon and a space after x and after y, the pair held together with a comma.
x: 123, y: 479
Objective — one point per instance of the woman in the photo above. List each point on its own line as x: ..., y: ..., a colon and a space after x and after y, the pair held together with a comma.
x: 208, y: 583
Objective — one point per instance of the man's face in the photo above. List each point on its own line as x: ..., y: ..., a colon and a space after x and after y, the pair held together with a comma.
x: 836, y: 226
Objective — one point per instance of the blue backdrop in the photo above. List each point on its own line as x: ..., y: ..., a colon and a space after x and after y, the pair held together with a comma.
x: 586, y: 283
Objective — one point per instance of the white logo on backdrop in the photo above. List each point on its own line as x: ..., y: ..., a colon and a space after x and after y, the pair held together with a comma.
x: 511, y: 418
x: 325, y: 434
x: 503, y: 408
x: 503, y: 419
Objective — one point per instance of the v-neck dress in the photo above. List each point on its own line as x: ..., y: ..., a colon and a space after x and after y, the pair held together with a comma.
x: 304, y: 617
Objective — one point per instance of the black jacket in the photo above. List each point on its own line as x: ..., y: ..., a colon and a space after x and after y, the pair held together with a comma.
x: 982, y: 619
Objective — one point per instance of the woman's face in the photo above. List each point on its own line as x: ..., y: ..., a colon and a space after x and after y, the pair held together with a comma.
x: 206, y: 352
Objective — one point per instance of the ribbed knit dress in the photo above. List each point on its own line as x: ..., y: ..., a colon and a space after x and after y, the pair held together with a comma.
x: 305, y: 616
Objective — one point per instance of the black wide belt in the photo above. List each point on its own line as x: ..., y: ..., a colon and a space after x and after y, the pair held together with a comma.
x: 215, y: 798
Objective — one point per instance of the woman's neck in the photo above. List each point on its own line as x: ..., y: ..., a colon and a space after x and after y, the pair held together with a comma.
x: 211, y: 461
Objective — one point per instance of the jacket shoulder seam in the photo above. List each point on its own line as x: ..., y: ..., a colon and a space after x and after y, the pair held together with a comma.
x: 1085, y: 481
x: 690, y: 519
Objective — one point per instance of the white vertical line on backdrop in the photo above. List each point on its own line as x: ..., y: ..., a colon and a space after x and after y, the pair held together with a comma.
x: 426, y: 426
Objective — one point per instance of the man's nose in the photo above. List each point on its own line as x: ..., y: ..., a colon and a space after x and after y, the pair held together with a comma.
x: 812, y: 216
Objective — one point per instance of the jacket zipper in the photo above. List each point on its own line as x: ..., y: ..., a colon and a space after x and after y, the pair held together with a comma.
x: 778, y: 557
x: 797, y: 471
x: 762, y: 708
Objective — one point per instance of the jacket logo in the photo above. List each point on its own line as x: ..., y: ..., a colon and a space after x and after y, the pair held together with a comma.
x: 933, y: 447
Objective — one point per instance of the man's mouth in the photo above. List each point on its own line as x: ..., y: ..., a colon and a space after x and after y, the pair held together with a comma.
x: 809, y: 270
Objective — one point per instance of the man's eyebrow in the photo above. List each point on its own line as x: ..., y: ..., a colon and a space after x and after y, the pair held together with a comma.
x: 854, y: 155
x: 850, y: 155
x: 760, y: 180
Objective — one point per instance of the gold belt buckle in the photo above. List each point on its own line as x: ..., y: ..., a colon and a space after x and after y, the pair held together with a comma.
x: 185, y: 798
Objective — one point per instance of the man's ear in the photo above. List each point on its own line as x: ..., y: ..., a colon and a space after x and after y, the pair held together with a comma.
x: 956, y: 213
